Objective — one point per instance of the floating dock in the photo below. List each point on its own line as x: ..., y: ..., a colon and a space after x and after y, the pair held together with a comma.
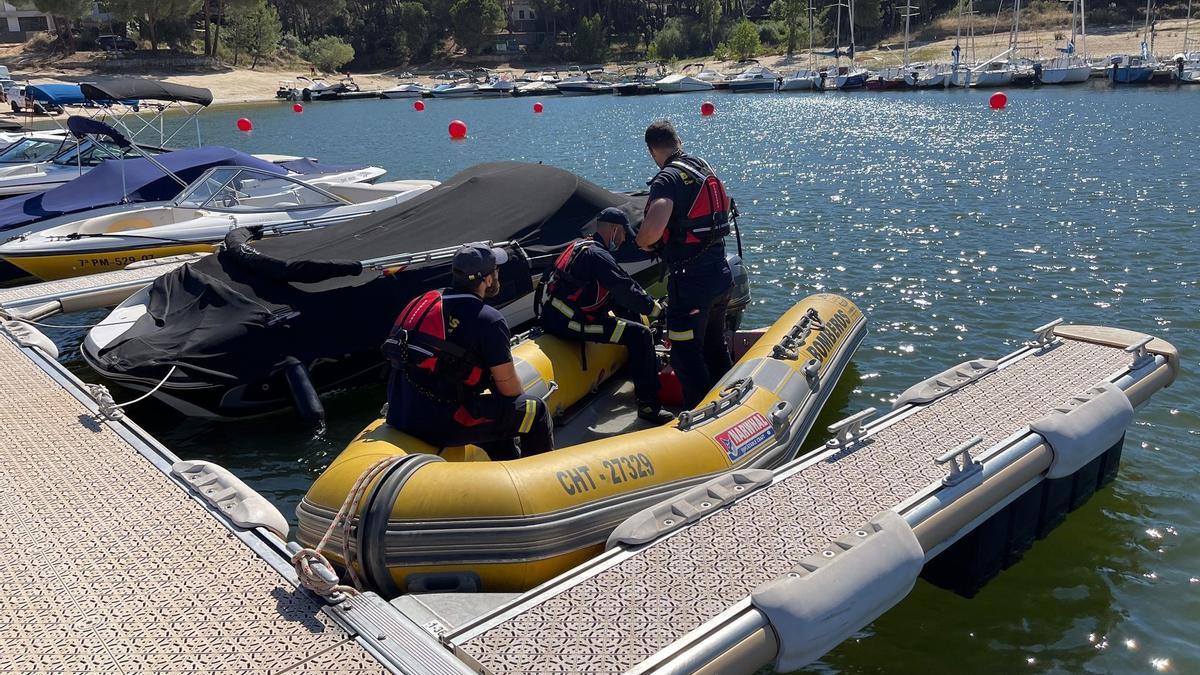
x: 119, y: 559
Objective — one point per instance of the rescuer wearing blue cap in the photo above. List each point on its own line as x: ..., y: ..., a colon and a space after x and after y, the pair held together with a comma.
x: 588, y: 297
x: 688, y: 215
x: 447, y: 347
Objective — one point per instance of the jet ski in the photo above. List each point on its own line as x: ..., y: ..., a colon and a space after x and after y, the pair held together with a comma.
x: 234, y: 336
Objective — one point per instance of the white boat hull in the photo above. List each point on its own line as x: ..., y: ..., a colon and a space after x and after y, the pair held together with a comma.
x: 798, y: 84
x: 684, y: 86
x: 926, y: 81
x: 400, y: 94
x: 1070, y: 75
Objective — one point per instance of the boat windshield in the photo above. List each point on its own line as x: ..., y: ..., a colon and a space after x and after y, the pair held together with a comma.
x: 29, y: 150
x: 232, y: 188
x: 91, y: 153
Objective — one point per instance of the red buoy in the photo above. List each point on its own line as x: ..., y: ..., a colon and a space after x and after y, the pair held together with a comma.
x: 998, y: 100
x: 707, y: 108
x: 244, y: 124
x: 458, y: 129
x: 418, y: 105
x: 296, y: 107
x: 538, y: 107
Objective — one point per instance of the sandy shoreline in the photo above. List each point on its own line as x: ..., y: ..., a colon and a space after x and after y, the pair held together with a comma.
x: 240, y: 85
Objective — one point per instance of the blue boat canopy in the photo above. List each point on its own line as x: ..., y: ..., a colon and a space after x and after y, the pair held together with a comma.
x: 309, y: 165
x: 125, y: 180
x: 58, y: 94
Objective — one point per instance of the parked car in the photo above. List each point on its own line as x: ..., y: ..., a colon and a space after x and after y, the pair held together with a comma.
x: 16, y: 99
x: 115, y: 43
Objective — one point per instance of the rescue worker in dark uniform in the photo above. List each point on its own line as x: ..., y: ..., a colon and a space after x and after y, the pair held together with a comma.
x: 688, y: 214
x: 585, y: 284
x: 446, y: 348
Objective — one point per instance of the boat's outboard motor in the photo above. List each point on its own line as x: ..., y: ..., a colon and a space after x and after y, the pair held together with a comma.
x: 739, y: 299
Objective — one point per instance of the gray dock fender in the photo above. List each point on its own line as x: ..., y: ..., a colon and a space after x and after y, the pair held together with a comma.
x: 687, y: 507
x: 833, y: 594
x: 1084, y: 427
x: 953, y: 379
x: 26, y: 335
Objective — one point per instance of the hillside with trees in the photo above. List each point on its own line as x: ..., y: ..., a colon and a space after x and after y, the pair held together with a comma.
x: 377, y: 34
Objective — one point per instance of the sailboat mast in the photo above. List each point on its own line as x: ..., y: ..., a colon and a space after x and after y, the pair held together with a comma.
x: 1083, y: 29
x: 1187, y: 25
x: 850, y: 15
x: 1016, y: 32
x: 837, y: 45
x: 811, y: 63
x: 908, y: 8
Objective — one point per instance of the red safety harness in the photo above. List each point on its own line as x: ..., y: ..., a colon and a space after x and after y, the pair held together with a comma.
x: 417, y: 346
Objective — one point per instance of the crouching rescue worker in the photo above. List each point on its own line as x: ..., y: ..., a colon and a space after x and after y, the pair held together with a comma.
x: 446, y: 348
x: 688, y: 215
x: 585, y: 284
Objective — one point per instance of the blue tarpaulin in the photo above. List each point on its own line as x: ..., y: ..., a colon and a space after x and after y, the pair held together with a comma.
x: 59, y: 94
x: 142, y: 182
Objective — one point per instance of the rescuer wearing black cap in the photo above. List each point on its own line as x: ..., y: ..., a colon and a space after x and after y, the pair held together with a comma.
x: 446, y: 348
x: 589, y: 297
x: 688, y: 216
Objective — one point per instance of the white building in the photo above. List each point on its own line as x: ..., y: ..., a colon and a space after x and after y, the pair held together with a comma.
x: 19, y: 18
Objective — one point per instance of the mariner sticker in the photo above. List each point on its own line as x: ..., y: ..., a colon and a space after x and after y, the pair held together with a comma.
x: 744, y: 436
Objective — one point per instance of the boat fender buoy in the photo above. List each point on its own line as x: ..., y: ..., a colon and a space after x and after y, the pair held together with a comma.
x: 244, y: 124
x: 998, y: 100
x: 538, y: 107
x: 418, y: 106
x: 707, y: 108
x: 304, y: 394
x: 296, y: 107
x: 458, y: 129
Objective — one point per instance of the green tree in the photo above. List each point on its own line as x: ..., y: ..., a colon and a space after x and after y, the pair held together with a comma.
x: 414, y: 22
x: 474, y: 21
x: 668, y: 43
x: 255, y: 30
x: 150, y: 14
x: 743, y: 42
x: 710, y: 18
x: 328, y: 53
x: 792, y: 14
x: 591, y: 39
x: 65, y: 11
x: 866, y: 20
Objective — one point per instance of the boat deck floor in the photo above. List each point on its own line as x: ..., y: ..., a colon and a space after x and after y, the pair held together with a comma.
x: 111, y: 566
x: 632, y: 603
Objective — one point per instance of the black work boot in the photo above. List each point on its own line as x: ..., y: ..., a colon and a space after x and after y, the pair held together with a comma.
x: 654, y: 414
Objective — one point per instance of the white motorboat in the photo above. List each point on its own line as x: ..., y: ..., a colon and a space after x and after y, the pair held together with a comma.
x: 537, y: 88
x: 31, y: 147
x: 74, y: 159
x: 594, y: 83
x: 755, y: 78
x: 407, y: 90
x: 685, y: 81
x: 464, y: 90
x: 220, y: 200
x: 800, y: 80
x: 497, y: 86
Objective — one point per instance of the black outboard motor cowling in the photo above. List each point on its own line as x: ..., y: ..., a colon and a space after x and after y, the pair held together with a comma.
x: 739, y: 300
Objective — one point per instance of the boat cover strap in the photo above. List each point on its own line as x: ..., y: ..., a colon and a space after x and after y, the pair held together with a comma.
x: 1085, y: 426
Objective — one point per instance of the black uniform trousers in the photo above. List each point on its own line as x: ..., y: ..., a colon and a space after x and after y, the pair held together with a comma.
x: 697, y: 300
x: 559, y: 318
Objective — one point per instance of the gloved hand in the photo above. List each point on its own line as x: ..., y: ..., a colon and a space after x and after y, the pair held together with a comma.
x: 656, y: 311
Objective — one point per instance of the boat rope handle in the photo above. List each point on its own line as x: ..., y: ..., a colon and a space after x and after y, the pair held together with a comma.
x: 305, y: 560
x: 109, y: 409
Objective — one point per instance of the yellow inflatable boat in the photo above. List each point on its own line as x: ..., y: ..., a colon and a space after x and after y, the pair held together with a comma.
x: 449, y: 520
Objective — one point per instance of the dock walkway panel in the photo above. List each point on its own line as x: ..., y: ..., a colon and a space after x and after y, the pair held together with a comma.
x: 109, y: 566
x: 636, y: 604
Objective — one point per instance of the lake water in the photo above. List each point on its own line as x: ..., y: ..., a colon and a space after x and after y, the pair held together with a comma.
x: 957, y: 229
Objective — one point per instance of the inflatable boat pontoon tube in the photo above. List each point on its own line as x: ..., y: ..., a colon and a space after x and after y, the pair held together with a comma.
x: 431, y: 524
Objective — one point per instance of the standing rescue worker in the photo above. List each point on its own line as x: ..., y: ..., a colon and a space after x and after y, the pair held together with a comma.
x: 688, y: 215
x: 584, y: 285
x: 446, y: 348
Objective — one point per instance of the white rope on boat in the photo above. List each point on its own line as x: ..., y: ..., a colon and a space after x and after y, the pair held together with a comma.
x: 305, y: 559
x: 110, y: 409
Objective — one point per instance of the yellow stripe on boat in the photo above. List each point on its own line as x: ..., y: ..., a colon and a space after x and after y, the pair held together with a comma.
x: 431, y: 524
x: 52, y: 267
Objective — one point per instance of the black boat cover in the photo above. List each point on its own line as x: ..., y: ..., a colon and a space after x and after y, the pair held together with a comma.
x: 228, y: 319
x: 149, y: 90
